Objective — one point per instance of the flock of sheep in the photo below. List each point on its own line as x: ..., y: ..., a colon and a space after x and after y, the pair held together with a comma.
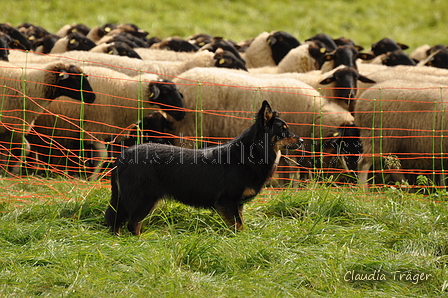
x: 72, y: 100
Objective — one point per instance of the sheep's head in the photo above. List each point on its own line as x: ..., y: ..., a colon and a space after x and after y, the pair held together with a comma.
x: 78, y: 41
x: 281, y: 43
x: 69, y: 81
x: 122, y: 49
x: 165, y: 94
x: 386, y: 45
x: 228, y: 60
x: 345, y: 81
x: 4, y: 45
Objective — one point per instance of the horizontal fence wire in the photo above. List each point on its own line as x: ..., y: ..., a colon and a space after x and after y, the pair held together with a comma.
x: 80, y: 145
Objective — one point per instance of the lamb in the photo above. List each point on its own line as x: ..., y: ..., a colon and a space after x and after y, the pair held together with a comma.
x: 119, y: 104
x: 26, y: 92
x: 236, y: 94
x: 415, y: 137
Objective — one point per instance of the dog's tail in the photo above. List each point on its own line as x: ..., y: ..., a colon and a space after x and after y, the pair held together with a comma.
x: 115, y: 215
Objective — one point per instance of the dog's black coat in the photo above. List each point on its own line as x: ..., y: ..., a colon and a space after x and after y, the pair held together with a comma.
x: 222, y: 177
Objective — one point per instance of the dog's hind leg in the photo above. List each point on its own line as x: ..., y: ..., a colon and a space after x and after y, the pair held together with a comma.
x: 139, y: 212
x: 114, y: 220
x: 232, y: 214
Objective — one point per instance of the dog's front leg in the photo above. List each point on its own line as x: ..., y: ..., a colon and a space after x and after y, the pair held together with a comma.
x: 232, y: 215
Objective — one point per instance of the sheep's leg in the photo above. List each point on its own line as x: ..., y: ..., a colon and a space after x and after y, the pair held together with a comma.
x: 442, y: 180
x: 397, y: 176
x: 232, y: 215
x: 100, y: 154
x: 364, y: 165
x: 18, y: 155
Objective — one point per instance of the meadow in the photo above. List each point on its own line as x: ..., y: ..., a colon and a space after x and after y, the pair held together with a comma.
x: 317, y: 240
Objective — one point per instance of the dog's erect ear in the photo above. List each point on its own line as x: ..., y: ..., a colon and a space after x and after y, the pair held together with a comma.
x: 265, y: 113
x: 154, y: 91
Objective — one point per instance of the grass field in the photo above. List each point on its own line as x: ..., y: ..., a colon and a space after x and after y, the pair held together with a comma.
x: 411, y: 22
x: 316, y: 241
x: 312, y: 242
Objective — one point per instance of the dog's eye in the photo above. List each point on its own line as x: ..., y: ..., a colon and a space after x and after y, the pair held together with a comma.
x: 284, y: 126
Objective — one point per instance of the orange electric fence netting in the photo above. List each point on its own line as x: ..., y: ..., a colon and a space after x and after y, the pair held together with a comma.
x: 84, y: 146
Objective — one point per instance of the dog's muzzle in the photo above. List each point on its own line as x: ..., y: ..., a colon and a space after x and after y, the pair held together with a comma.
x: 293, y: 142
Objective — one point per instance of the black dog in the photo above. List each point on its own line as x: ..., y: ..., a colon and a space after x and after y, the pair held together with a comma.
x: 222, y: 177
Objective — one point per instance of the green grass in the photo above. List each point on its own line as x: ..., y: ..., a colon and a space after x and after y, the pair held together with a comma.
x: 297, y: 243
x: 411, y: 22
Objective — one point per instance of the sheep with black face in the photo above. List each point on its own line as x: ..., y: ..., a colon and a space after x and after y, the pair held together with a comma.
x: 121, y: 102
x: 26, y: 92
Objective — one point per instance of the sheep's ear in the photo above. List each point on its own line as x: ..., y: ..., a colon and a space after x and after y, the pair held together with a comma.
x: 113, y: 50
x: 366, y: 56
x: 365, y: 79
x: 74, y: 42
x: 327, y: 81
x: 63, y: 75
x: 402, y: 46
x: 154, y: 91
x: 328, y: 57
x: 265, y: 113
x: 271, y: 40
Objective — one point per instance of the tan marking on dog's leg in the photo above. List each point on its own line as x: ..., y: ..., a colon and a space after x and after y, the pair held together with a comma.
x: 229, y: 217
x: 138, y: 229
x: 240, y: 224
x: 249, y: 192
